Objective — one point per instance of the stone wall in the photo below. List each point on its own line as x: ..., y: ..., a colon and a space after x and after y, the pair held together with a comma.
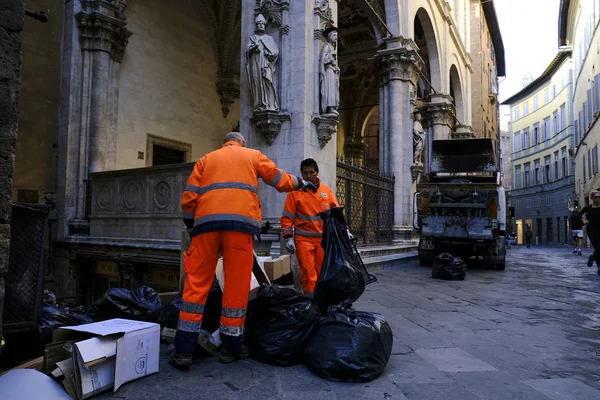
x: 11, y: 45
x: 167, y: 82
x: 36, y: 154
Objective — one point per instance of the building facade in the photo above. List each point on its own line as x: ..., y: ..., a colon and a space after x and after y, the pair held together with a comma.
x: 541, y: 131
x: 578, y: 28
x: 146, y: 88
x: 487, y: 51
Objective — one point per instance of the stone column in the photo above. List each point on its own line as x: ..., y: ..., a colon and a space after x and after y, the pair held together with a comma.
x: 12, y: 13
x: 290, y: 135
x: 94, y: 40
x: 440, y: 115
x: 398, y: 68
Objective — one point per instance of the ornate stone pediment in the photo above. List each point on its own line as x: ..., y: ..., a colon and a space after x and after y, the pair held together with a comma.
x: 326, y: 127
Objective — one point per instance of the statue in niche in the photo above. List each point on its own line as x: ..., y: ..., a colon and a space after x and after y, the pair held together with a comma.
x: 418, y: 139
x: 329, y: 73
x: 260, y: 56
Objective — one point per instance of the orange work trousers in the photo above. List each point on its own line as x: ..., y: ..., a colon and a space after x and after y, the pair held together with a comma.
x: 199, y: 264
x: 310, y: 258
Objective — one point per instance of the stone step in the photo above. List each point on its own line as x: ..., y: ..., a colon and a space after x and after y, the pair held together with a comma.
x: 380, y: 262
x: 376, y: 251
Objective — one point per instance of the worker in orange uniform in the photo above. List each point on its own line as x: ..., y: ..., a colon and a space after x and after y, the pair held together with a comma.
x: 302, y: 227
x: 222, y: 211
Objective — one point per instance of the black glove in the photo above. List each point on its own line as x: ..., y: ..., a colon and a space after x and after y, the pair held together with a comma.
x: 189, y: 223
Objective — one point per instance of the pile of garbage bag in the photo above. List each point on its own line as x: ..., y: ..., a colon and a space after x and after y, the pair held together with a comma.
x: 282, y: 323
x: 350, y: 345
x: 448, y: 267
x: 341, y: 277
x: 142, y: 304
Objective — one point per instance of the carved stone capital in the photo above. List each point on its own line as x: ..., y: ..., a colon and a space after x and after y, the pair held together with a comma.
x: 463, y: 132
x: 268, y: 123
x: 228, y: 89
x: 102, y: 27
x: 326, y: 127
x: 272, y: 10
x: 402, y: 63
x: 439, y: 111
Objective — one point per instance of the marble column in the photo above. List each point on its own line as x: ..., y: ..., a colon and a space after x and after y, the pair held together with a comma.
x: 398, y: 66
x: 94, y: 40
x: 290, y: 135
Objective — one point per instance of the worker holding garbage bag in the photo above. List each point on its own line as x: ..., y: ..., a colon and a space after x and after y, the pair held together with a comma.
x: 302, y: 227
x: 221, y: 210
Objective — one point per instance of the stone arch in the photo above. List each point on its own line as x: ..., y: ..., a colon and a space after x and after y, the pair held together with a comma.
x: 370, y: 135
x: 457, y: 93
x: 426, y: 39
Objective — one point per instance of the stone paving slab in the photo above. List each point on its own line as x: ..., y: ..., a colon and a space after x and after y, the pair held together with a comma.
x: 564, y: 389
x: 454, y: 360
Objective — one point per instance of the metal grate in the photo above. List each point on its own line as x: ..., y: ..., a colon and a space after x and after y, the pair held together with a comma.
x: 24, y: 279
x: 367, y: 198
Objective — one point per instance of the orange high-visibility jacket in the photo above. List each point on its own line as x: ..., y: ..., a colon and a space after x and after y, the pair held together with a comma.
x: 301, y: 211
x: 222, y: 191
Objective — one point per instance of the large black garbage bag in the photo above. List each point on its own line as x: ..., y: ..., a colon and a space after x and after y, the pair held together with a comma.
x: 54, y: 317
x: 448, y: 267
x: 142, y: 304
x: 281, y: 325
x: 211, y: 320
x: 341, y: 275
x: 350, y: 346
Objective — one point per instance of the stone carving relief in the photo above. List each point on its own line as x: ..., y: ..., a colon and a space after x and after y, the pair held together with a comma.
x: 132, y: 197
x: 104, y: 198
x: 273, y: 10
x: 323, y: 11
x: 162, y: 195
x: 418, y: 139
x: 260, y: 57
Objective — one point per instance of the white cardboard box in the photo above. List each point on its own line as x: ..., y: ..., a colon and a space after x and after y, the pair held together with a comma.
x: 258, y: 276
x: 120, y: 351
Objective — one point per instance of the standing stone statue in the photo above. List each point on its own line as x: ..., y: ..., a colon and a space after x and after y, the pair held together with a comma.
x: 329, y: 73
x: 418, y: 139
x: 260, y: 56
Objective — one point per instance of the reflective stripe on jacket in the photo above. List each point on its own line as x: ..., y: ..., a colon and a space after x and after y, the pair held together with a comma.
x: 222, y: 192
x: 301, y: 211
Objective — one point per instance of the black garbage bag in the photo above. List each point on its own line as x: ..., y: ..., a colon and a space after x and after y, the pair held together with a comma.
x: 281, y: 325
x: 169, y: 312
x: 54, y: 317
x: 211, y: 320
x: 448, y: 267
x: 350, y: 346
x: 341, y: 275
x: 142, y: 304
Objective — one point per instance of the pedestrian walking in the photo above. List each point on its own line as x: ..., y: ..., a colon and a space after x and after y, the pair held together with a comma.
x: 590, y: 215
x: 576, y: 231
x: 302, y: 226
x: 528, y: 235
x: 221, y: 210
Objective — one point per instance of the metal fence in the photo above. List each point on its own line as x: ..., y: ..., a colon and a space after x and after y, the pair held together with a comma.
x: 368, y: 201
x: 24, y: 280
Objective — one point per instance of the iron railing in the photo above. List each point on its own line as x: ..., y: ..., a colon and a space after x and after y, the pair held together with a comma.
x: 367, y: 197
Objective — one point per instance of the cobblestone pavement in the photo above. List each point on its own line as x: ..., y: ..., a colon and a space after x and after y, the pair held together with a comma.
x: 529, y: 332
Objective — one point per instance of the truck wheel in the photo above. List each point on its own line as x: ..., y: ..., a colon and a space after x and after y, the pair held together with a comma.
x: 426, y: 258
x: 501, y: 266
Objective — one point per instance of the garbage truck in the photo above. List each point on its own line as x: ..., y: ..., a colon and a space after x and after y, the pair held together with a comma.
x: 460, y: 205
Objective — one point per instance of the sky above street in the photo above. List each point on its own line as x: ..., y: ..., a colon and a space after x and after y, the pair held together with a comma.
x: 530, y: 34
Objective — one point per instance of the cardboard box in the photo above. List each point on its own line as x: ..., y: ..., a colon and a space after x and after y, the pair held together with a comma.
x: 278, y: 267
x: 118, y: 351
x: 258, y: 277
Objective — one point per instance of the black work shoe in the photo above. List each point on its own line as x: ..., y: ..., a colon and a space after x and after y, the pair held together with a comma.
x: 574, y: 251
x: 207, y: 345
x: 180, y: 360
x: 226, y: 357
x: 590, y: 260
x: 579, y: 253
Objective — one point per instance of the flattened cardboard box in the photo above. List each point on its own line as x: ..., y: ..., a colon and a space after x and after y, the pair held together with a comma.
x: 120, y: 351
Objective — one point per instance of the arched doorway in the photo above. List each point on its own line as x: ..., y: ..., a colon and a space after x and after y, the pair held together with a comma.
x: 457, y: 95
x: 425, y: 39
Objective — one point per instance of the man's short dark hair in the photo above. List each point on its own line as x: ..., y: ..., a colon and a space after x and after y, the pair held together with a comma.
x: 309, y: 162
